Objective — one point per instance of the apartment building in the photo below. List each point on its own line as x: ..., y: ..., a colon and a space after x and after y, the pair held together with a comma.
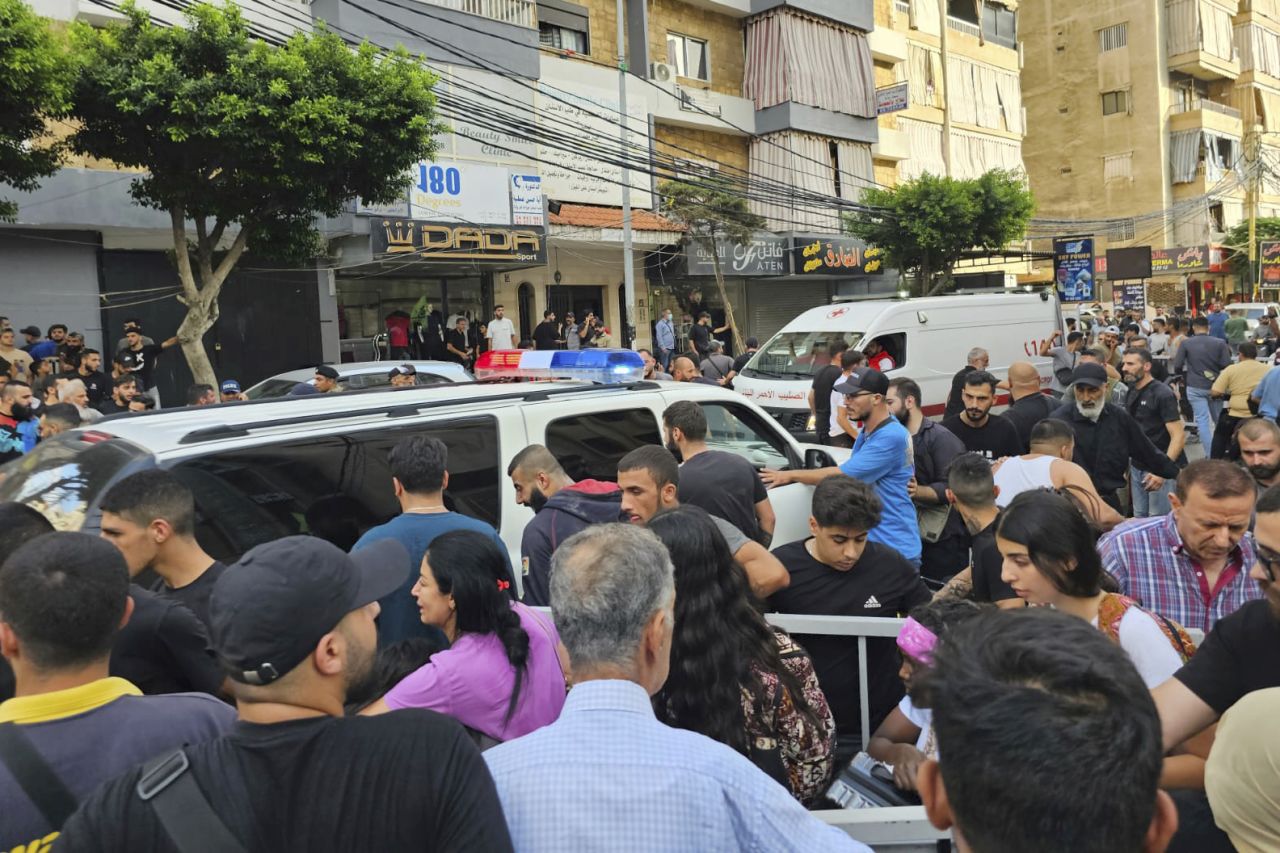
x: 1140, y: 114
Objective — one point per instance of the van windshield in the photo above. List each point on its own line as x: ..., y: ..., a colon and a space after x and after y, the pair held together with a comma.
x: 65, y: 476
x: 796, y: 355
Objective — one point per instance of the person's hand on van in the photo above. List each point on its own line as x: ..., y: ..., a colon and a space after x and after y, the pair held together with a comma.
x: 774, y: 478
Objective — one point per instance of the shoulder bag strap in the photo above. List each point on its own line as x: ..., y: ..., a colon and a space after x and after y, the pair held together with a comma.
x: 183, y: 810
x: 35, y: 776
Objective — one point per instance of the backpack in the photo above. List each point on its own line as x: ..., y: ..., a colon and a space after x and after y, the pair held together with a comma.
x: 1113, y: 608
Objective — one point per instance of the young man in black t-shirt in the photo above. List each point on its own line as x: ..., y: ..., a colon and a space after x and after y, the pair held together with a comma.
x: 724, y: 484
x: 824, y: 379
x: 140, y: 358
x: 293, y: 625
x: 546, y: 335
x: 457, y: 345
x: 837, y: 572
x: 971, y: 492
x: 975, y: 426
x: 151, y: 517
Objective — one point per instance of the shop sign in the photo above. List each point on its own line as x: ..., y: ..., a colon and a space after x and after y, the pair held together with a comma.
x: 463, y: 193
x: 446, y: 241
x: 892, y: 99
x: 1132, y: 296
x: 1073, y: 268
x: 813, y: 254
x: 1180, y: 259
x: 1269, y: 250
x: 526, y: 199
x: 765, y: 255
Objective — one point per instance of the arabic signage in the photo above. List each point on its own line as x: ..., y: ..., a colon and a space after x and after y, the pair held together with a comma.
x: 1073, y: 268
x: 526, y: 199
x: 1131, y: 296
x: 813, y: 254
x: 766, y: 254
x: 891, y: 99
x: 448, y: 241
x: 1269, y: 252
x: 463, y: 193
x: 1177, y: 260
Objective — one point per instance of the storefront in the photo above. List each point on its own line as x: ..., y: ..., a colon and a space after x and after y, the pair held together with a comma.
x: 1190, y: 276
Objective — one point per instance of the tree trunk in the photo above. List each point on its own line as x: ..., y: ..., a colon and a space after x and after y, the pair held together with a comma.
x: 198, y: 321
x: 738, y: 346
x: 924, y: 275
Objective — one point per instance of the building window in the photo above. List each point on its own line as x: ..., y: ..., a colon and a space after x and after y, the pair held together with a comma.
x: 1113, y: 37
x: 1117, y: 167
x: 689, y: 56
x: 1115, y: 102
x: 562, y: 38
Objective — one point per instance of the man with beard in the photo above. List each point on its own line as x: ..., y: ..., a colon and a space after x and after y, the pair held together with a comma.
x: 561, y: 508
x: 1155, y: 407
x: 293, y: 627
x: 89, y: 371
x: 980, y: 431
x: 1237, y: 656
x: 1260, y: 452
x: 15, y: 414
x: 1108, y: 439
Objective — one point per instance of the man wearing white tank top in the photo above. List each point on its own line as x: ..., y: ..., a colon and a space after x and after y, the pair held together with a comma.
x: 1049, y: 466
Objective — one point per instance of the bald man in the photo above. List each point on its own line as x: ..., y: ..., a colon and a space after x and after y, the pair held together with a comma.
x: 1028, y: 404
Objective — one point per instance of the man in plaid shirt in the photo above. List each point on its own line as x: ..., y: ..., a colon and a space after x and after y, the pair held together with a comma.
x: 1192, y: 565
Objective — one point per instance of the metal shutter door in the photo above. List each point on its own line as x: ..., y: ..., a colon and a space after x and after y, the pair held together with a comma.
x: 774, y: 304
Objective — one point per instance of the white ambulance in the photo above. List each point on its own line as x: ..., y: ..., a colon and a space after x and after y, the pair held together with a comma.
x: 929, y: 340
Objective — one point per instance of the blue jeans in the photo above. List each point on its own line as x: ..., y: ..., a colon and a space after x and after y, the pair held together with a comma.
x: 664, y: 358
x: 1206, y: 411
x: 1148, y: 504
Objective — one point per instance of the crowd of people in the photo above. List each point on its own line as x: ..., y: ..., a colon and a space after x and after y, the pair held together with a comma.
x: 413, y: 690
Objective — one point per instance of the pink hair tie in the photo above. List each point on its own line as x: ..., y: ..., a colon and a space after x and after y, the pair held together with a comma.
x: 917, y: 642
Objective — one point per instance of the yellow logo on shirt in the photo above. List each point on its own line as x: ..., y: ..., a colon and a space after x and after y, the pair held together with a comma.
x: 40, y: 845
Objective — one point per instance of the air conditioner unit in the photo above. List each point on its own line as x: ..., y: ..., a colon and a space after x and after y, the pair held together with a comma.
x: 661, y: 72
x: 698, y: 102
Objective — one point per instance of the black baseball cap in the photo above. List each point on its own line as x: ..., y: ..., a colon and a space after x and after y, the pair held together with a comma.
x: 402, y: 370
x: 268, y: 611
x: 1090, y: 375
x: 326, y: 371
x: 30, y: 330
x: 864, y: 379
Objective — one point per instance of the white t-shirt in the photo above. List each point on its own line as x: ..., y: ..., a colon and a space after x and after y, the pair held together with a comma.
x: 501, y: 333
x: 922, y: 718
x: 1148, y: 647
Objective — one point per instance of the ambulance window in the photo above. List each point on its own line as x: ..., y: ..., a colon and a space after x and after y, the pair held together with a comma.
x: 590, y: 446
x: 896, y: 347
x: 332, y: 486
x: 737, y: 429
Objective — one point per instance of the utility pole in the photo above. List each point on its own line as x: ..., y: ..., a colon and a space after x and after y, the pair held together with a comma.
x: 628, y: 264
x: 946, y: 88
x: 1252, y: 143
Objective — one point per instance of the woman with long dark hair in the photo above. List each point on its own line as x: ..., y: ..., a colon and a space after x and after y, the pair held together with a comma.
x: 1051, y: 558
x: 734, y: 678
x: 501, y: 675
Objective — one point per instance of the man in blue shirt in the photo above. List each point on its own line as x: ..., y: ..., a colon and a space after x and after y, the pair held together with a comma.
x: 419, y: 477
x: 1217, y: 322
x: 1267, y: 395
x: 665, y: 339
x: 607, y: 775
x: 881, y: 457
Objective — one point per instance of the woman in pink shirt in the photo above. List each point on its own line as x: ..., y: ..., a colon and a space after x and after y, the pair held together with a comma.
x: 501, y: 675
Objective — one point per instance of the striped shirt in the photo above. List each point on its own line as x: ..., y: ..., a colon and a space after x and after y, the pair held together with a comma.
x: 608, y: 776
x: 1151, y: 563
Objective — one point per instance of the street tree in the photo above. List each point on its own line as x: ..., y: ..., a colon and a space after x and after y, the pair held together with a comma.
x: 33, y: 89
x: 712, y: 211
x: 243, y: 143
x: 927, y: 224
x: 1236, y: 245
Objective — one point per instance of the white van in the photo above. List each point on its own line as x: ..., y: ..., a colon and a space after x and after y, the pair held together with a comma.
x: 928, y: 338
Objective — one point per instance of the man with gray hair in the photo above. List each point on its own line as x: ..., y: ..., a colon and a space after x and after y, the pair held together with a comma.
x: 717, y: 366
x: 607, y: 775
x: 978, y: 359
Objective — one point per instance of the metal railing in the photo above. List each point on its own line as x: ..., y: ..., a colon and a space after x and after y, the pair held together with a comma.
x: 962, y: 26
x: 1205, y: 104
x: 520, y: 13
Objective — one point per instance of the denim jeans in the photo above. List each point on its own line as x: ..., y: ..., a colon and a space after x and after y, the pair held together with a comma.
x: 1206, y: 411
x: 1148, y: 504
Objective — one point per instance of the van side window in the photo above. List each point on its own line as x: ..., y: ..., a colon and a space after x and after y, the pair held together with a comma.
x: 335, y: 487
x: 737, y: 429
x: 896, y: 346
x: 589, y: 447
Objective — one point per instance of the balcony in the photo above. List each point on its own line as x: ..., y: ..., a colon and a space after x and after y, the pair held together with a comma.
x: 892, y: 145
x: 1203, y: 65
x: 1204, y: 114
x: 887, y: 45
x: 703, y: 109
x: 519, y: 13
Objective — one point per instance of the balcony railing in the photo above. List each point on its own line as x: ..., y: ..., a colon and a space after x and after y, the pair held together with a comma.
x: 520, y: 13
x: 1205, y: 104
x: 902, y: 6
x: 962, y: 26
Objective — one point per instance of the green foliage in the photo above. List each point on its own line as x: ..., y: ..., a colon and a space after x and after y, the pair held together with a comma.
x: 1237, y: 245
x: 709, y: 209
x: 232, y: 129
x: 33, y: 87
x: 927, y: 224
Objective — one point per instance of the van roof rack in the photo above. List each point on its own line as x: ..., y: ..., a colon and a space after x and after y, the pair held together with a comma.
x: 400, y: 410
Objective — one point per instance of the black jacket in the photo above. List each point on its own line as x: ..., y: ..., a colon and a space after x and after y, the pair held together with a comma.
x: 569, y: 510
x: 1106, y: 448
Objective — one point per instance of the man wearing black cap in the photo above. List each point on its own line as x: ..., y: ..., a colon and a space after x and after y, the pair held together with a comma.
x: 403, y: 376
x: 293, y: 627
x: 326, y: 381
x: 1108, y: 439
x: 881, y: 458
